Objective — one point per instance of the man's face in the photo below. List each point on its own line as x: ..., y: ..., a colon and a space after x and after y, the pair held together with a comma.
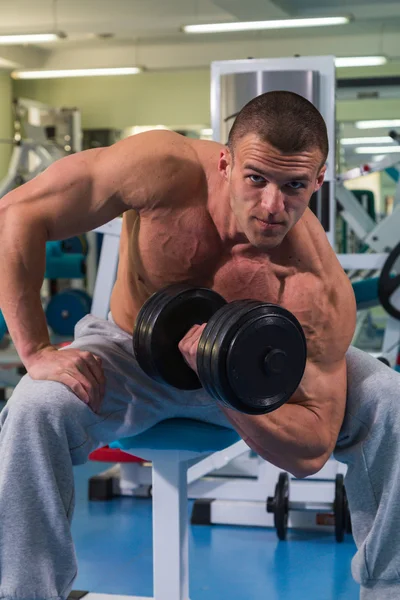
x: 269, y: 191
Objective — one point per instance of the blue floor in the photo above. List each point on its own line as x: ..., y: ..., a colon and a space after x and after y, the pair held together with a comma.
x: 114, y: 549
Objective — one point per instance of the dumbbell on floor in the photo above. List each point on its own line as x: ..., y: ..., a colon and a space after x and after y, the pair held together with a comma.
x: 280, y: 505
x: 251, y: 355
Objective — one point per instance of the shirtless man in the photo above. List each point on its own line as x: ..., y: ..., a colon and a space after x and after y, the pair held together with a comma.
x: 233, y: 218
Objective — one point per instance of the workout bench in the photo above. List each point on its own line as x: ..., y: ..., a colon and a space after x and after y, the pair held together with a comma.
x: 173, y: 446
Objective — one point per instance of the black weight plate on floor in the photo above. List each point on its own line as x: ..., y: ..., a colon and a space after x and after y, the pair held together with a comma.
x: 170, y: 315
x: 206, y: 344
x: 281, y: 512
x: 339, y: 508
x: 266, y: 358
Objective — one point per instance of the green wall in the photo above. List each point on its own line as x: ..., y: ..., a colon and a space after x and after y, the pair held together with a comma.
x: 5, y: 121
x: 354, y: 110
x: 170, y: 98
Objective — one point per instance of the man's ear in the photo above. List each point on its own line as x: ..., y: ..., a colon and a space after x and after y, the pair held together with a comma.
x: 225, y: 163
x: 320, y: 178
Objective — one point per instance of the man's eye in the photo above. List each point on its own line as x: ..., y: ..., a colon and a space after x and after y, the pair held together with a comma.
x: 257, y: 178
x: 295, y: 185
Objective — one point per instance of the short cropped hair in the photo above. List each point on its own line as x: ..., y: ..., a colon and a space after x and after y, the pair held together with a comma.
x: 285, y: 120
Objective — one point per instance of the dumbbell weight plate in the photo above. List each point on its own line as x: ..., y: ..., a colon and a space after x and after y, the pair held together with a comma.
x: 340, y: 508
x: 270, y: 350
x: 139, y: 334
x: 142, y: 337
x: 279, y: 505
x: 235, y: 320
x: 161, y: 324
x: 252, y: 356
x: 207, y: 341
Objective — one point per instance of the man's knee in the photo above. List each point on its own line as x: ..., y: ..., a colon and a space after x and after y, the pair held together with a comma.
x: 373, y: 388
x: 42, y: 402
x: 49, y: 413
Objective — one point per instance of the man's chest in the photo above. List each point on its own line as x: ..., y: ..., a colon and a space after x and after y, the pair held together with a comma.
x: 305, y: 294
x: 169, y: 255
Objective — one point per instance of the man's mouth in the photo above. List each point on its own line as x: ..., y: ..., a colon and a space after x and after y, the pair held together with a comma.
x: 269, y: 223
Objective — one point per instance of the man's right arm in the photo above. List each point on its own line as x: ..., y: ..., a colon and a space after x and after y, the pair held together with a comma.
x: 74, y: 195
x: 64, y: 201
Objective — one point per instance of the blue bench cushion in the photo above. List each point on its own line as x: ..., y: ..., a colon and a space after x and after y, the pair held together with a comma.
x: 181, y: 434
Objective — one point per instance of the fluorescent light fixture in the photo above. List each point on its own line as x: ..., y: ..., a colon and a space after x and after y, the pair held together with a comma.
x: 366, y: 140
x: 255, y: 25
x: 377, y: 149
x: 75, y: 73
x: 30, y: 38
x: 378, y: 124
x: 360, y: 61
x: 7, y: 64
x: 206, y: 131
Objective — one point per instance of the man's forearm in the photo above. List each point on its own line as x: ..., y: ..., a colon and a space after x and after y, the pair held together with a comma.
x: 290, y: 437
x: 22, y: 267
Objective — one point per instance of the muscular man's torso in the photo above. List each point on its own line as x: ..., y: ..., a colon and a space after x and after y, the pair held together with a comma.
x: 160, y: 247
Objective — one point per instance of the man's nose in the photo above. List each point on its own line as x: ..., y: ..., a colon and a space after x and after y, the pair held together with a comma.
x: 272, y: 199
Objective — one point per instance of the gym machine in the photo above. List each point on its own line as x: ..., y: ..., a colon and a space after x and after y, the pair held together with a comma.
x: 236, y: 82
x: 42, y: 135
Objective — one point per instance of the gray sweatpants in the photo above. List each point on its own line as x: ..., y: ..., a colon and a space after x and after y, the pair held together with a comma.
x: 369, y: 443
x: 45, y: 430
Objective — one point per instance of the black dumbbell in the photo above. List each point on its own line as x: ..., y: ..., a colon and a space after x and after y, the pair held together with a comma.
x: 251, y: 355
x: 280, y: 505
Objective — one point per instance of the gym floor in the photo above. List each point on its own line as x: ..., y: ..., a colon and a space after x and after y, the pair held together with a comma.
x: 114, y: 549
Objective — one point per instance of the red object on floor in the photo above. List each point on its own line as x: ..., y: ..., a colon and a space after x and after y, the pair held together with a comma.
x: 114, y: 455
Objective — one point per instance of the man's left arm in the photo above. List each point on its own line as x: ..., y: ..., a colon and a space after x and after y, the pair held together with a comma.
x: 300, y: 436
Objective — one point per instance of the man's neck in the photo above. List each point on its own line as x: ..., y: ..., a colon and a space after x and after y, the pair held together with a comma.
x: 222, y: 215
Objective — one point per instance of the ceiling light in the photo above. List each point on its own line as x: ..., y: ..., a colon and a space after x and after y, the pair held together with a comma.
x: 30, y: 38
x: 7, y: 64
x: 377, y: 149
x: 366, y: 140
x: 378, y: 124
x: 75, y: 73
x: 360, y: 61
x: 254, y: 25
